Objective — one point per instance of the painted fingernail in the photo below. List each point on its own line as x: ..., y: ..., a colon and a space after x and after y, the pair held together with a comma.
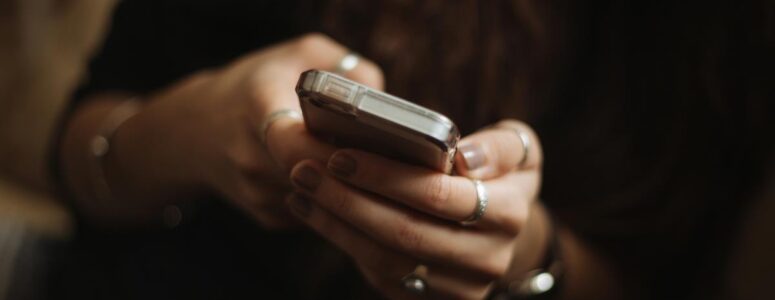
x: 473, y: 156
x: 342, y: 165
x: 306, y: 178
x: 300, y: 204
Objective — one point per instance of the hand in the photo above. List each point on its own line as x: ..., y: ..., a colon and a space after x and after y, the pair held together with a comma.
x: 390, y: 216
x: 202, y: 131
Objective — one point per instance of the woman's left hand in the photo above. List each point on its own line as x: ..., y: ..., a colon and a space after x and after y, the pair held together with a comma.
x: 391, y: 217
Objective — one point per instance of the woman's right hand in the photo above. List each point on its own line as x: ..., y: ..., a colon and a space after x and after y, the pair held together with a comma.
x: 203, y: 130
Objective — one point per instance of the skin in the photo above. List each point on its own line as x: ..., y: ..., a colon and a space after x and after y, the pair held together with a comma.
x: 199, y: 135
x: 146, y: 166
x: 410, y: 215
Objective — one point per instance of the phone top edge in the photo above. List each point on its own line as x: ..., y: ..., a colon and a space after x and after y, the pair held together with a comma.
x: 356, y: 99
x: 307, y: 80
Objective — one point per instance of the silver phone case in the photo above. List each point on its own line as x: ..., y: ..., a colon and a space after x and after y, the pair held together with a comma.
x: 349, y: 114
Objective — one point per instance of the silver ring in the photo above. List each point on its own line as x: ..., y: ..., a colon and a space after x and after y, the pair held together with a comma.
x: 525, y: 145
x: 274, y: 116
x: 347, y: 63
x: 525, y: 139
x: 481, y: 204
x: 414, y: 282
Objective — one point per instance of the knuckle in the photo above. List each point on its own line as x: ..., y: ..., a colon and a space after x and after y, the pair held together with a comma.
x: 342, y: 203
x: 514, y: 123
x: 373, y: 74
x: 260, y: 89
x: 438, y: 192
x: 408, y: 238
x: 311, y: 42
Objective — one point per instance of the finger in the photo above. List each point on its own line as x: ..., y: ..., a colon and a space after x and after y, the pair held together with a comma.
x: 318, y: 51
x: 382, y: 267
x: 283, y: 64
x: 289, y: 142
x: 312, y: 51
x: 405, y: 230
x: 452, y: 198
x: 367, y: 254
x: 264, y: 203
x: 497, y: 150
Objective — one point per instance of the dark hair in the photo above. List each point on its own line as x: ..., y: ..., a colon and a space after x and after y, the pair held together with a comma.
x: 452, y: 58
x: 655, y: 117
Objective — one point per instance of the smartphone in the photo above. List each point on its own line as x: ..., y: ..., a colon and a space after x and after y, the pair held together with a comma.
x: 349, y: 114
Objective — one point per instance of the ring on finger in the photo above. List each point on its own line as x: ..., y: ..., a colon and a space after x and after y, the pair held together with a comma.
x: 272, y: 118
x: 347, y: 63
x: 481, y: 203
x: 524, y: 138
x: 414, y: 282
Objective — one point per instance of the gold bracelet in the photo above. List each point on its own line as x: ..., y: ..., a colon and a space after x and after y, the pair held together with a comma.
x: 99, y: 145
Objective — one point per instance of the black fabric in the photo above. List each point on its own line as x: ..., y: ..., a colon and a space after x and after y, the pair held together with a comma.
x: 220, y: 254
x: 153, y: 43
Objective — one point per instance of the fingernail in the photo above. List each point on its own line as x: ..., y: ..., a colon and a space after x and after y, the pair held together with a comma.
x: 306, y: 178
x: 473, y: 156
x: 300, y: 204
x: 342, y: 165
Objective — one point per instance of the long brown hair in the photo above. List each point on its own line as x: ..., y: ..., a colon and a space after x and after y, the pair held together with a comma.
x: 452, y: 58
x: 654, y: 116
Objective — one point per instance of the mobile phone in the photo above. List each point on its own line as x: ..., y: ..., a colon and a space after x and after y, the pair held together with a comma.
x: 349, y: 114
